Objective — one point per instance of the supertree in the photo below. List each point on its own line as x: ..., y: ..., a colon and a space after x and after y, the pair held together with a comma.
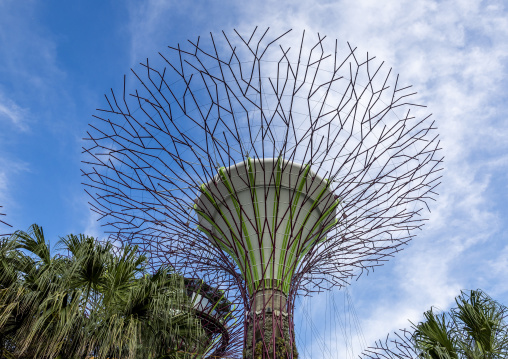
x: 269, y: 170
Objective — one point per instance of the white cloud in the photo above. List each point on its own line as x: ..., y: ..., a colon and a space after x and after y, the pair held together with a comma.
x: 92, y: 226
x: 10, y: 112
x: 32, y: 100
x: 31, y: 77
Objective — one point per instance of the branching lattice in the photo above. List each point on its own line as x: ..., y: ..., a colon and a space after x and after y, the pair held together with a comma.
x: 217, y: 103
x: 400, y: 346
x: 2, y: 223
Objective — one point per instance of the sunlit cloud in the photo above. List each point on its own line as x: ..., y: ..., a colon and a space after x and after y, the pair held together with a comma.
x: 11, y: 113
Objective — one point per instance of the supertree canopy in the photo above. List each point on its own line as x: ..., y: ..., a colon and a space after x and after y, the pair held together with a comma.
x: 269, y: 166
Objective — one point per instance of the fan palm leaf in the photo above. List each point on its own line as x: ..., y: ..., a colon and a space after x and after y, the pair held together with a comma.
x: 95, y: 301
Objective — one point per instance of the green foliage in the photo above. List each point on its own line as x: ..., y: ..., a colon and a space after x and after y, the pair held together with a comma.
x: 476, y: 328
x: 282, y: 350
x: 434, y: 337
x: 95, y: 302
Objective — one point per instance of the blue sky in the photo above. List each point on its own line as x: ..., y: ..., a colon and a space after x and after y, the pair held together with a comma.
x: 57, y: 59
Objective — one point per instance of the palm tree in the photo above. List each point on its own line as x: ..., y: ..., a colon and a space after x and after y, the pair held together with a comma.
x: 475, y: 329
x: 434, y: 337
x: 93, y: 302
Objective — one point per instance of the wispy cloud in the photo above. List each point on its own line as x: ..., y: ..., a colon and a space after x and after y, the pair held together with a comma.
x: 454, y: 54
x: 34, y: 104
x: 11, y: 113
x: 31, y: 76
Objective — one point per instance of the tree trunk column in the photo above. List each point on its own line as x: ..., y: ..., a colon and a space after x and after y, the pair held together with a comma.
x: 268, y: 328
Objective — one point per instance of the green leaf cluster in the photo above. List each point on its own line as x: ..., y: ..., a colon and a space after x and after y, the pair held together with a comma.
x: 475, y: 329
x: 93, y: 302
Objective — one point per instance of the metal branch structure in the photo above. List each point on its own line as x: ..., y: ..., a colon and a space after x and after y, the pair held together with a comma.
x: 270, y: 166
x: 4, y: 224
x: 400, y: 346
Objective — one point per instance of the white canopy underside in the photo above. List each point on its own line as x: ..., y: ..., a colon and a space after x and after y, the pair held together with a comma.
x: 267, y: 214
